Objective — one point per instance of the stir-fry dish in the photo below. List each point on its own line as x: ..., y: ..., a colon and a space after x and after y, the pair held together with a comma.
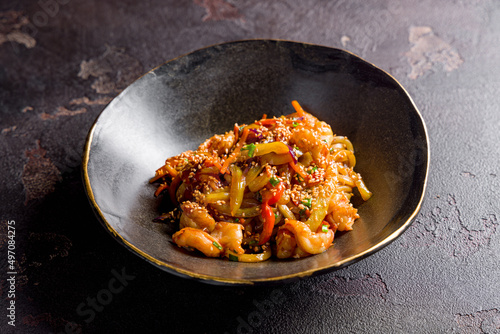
x: 279, y: 186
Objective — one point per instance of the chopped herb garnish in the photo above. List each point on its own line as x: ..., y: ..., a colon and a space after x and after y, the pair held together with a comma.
x: 295, y: 124
x: 250, y: 148
x: 299, y: 178
x: 274, y: 181
x: 307, y: 202
x: 216, y: 244
x: 312, y: 170
x: 253, y: 242
x: 324, y: 228
x: 237, y: 220
x: 276, y: 217
x: 232, y: 257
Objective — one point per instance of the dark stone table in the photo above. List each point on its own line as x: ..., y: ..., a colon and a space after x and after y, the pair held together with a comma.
x: 62, y: 61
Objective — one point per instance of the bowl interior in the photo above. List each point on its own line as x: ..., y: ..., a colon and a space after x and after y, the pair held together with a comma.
x: 178, y: 105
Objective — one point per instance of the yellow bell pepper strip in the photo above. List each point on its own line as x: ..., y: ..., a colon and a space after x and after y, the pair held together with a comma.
x: 253, y: 211
x: 237, y: 188
x: 253, y: 172
x: 276, y: 147
x: 259, y: 182
x: 363, y: 190
x: 274, y: 159
x: 249, y: 257
x: 318, y: 211
x: 216, y: 196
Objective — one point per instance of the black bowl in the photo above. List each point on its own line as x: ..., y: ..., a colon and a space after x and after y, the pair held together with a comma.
x: 181, y: 103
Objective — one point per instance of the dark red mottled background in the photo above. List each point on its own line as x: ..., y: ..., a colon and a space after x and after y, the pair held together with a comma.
x: 62, y: 61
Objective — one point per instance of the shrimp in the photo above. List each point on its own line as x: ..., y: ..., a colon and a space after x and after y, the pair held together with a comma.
x: 194, y: 238
x: 285, y: 244
x: 323, y: 130
x: 342, y: 213
x: 308, y: 241
x: 309, y: 140
x: 196, y: 216
x: 219, y: 143
x: 229, y: 235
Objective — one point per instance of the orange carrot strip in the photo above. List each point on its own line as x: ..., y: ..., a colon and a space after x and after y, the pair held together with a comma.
x: 298, y: 108
x: 156, y: 178
x: 297, y: 169
x: 171, y: 170
x: 160, y: 189
x: 232, y: 158
x: 173, y: 188
x: 236, y: 130
x: 160, y: 172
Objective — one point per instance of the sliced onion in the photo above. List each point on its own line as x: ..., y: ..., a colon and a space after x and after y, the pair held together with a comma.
x: 292, y: 153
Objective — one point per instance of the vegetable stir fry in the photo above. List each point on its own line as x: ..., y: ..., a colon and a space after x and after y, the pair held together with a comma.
x: 279, y: 186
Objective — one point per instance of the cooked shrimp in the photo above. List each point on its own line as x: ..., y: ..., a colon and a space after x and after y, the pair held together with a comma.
x: 299, y: 253
x: 309, y: 140
x: 229, y: 235
x: 219, y: 143
x: 342, y: 213
x: 285, y: 244
x: 196, y: 216
x: 310, y: 242
x: 198, y: 239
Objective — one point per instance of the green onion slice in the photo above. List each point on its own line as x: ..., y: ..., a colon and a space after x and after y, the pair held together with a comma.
x: 250, y: 148
x: 274, y: 181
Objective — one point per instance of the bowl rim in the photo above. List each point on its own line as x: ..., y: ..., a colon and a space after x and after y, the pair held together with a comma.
x: 230, y: 281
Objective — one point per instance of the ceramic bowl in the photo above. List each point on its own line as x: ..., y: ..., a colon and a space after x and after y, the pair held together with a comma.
x: 179, y: 104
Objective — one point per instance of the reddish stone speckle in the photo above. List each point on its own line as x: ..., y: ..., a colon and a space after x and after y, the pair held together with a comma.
x: 85, y: 100
x: 39, y: 175
x: 218, y: 10
x: 486, y: 321
x: 62, y: 111
x: 444, y: 227
x: 427, y: 50
x: 12, y: 24
x: 113, y: 70
x: 10, y: 129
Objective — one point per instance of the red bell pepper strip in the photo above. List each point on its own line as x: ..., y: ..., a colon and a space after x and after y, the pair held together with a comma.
x: 269, y: 198
x: 268, y: 215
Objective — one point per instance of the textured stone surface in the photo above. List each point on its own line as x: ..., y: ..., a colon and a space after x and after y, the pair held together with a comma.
x: 59, y: 67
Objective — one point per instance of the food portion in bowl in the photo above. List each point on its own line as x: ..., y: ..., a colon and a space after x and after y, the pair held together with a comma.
x: 280, y: 186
